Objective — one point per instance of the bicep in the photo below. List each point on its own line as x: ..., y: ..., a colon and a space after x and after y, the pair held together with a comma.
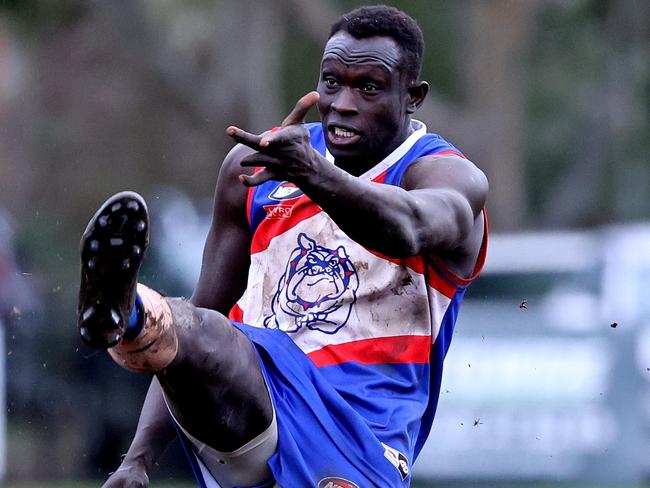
x: 448, y: 195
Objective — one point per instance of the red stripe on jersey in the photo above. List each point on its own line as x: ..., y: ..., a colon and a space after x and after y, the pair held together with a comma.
x: 236, y: 314
x: 450, y: 152
x: 249, y: 205
x: 249, y: 199
x: 380, y: 177
x: 480, y: 260
x: 270, y: 228
x: 413, y: 349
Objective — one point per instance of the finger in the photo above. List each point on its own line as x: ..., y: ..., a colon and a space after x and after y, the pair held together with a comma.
x: 243, y: 137
x: 258, y: 178
x: 282, y: 137
x: 258, y: 159
x: 297, y: 115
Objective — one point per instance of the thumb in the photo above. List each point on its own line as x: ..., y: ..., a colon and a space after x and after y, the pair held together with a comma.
x: 297, y: 115
x: 258, y: 178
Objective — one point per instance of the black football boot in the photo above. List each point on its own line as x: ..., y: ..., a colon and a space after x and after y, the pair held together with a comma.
x: 112, y: 249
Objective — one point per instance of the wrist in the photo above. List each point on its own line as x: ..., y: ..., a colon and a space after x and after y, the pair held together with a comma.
x: 135, y: 461
x: 322, y: 178
x: 136, y: 473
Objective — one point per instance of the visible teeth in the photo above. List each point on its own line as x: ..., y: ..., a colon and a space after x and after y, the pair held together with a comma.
x: 338, y: 132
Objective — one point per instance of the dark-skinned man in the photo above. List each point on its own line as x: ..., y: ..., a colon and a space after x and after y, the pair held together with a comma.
x: 340, y: 250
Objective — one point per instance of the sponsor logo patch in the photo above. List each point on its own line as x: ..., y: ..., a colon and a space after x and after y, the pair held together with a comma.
x: 397, y: 459
x: 278, y: 211
x: 333, y: 482
x: 285, y: 191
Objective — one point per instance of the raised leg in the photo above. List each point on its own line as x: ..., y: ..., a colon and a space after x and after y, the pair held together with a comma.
x: 207, y: 368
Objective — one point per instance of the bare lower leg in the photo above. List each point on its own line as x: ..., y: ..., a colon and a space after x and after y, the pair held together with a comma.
x: 209, y: 371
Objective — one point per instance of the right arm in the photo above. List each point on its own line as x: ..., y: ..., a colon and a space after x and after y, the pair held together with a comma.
x: 226, y: 257
x: 224, y: 273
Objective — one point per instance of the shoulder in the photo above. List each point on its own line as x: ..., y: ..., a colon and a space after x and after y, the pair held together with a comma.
x: 231, y: 167
x: 230, y: 191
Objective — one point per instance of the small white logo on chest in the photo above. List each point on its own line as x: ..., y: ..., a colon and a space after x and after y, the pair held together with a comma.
x: 285, y: 191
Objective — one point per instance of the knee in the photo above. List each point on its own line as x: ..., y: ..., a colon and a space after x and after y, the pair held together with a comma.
x: 207, y: 339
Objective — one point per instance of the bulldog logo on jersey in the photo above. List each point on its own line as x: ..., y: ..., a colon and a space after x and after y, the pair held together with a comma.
x: 285, y: 191
x: 317, y: 289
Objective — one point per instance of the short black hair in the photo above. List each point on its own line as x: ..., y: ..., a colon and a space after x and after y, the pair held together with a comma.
x: 383, y: 20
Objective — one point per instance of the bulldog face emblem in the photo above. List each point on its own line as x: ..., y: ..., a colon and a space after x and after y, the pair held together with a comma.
x: 317, y: 289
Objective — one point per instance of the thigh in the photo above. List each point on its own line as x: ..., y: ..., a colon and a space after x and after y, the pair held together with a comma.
x: 247, y: 466
x: 215, y: 387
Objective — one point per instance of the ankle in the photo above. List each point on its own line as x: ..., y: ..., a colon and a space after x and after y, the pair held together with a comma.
x: 156, y: 346
x: 136, y: 320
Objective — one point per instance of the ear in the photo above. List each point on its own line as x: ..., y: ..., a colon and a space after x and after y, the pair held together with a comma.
x: 417, y: 93
x: 305, y: 242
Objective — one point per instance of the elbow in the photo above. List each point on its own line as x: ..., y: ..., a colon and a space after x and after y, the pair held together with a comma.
x: 408, y: 235
x: 403, y: 242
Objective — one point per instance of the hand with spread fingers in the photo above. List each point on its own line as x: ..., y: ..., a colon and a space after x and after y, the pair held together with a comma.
x: 285, y: 153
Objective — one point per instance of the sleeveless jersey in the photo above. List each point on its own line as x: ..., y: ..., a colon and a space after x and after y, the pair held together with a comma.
x: 376, y: 327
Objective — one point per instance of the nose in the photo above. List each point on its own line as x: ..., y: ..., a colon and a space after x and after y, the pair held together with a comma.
x: 344, y: 102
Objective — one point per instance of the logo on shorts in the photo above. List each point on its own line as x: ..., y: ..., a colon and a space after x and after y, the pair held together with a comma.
x: 397, y: 459
x: 331, y: 482
x: 285, y: 191
x: 317, y: 289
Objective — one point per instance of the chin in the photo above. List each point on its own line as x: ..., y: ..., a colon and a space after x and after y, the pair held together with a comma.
x: 344, y: 155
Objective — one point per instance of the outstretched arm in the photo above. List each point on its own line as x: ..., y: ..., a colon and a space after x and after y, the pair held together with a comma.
x: 435, y: 211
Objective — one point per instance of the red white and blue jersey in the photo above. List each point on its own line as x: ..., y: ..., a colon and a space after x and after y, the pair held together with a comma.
x: 376, y: 328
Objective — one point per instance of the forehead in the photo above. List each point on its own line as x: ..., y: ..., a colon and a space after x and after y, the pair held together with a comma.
x: 377, y: 50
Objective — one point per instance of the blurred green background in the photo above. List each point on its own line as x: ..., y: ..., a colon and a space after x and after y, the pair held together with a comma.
x: 551, y: 98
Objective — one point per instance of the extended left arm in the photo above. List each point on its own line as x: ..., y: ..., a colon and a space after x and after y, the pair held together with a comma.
x: 434, y: 211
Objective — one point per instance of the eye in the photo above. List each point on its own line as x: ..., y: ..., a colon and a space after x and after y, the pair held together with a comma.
x: 369, y: 87
x: 330, y: 82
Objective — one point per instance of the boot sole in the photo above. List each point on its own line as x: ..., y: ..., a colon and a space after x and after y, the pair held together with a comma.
x: 112, y: 250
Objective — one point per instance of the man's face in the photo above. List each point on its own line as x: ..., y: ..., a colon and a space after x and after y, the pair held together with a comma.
x: 363, y: 99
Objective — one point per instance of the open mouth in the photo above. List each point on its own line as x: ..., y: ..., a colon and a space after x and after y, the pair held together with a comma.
x: 342, y: 136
